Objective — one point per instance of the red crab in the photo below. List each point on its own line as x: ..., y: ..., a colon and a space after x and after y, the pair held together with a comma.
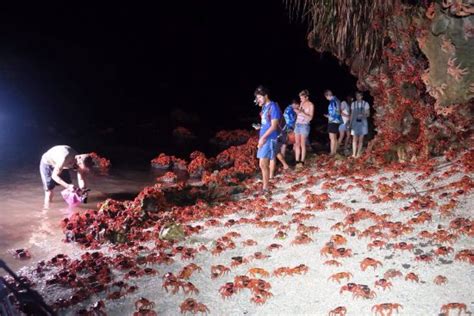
x: 383, y: 283
x: 403, y: 246
x: 338, y: 311
x: 369, y: 262
x: 461, y: 307
x: 412, y: 277
x: 440, y: 279
x: 228, y: 290
x: 191, y: 305
x: 274, y: 246
x: 219, y: 270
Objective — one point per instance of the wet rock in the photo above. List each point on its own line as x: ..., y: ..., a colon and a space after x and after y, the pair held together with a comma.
x: 172, y: 231
x: 443, y: 261
x: 418, y: 251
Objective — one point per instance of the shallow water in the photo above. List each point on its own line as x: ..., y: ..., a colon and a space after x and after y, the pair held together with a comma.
x: 25, y: 224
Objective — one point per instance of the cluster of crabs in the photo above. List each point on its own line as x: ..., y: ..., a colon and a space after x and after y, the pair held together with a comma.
x: 230, y: 166
x: 122, y: 244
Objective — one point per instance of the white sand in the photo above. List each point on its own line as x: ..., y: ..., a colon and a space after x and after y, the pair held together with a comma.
x: 313, y: 294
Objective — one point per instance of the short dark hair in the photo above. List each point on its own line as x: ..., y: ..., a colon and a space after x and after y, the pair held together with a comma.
x: 261, y: 90
x: 359, y: 93
x: 327, y: 91
x: 88, y: 162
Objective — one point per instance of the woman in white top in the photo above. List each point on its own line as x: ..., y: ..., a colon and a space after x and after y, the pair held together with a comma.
x: 360, y: 111
x: 304, y: 115
x: 344, y: 131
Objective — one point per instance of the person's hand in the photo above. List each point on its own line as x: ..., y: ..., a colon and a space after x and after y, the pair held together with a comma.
x: 326, y: 116
x: 256, y: 126
x: 261, y: 142
x: 71, y: 187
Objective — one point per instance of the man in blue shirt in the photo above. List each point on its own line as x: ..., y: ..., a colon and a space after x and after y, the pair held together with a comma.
x: 269, y: 130
x: 290, y: 116
x: 334, y: 120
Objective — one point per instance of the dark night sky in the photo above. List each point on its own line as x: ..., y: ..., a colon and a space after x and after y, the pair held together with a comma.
x: 101, y: 66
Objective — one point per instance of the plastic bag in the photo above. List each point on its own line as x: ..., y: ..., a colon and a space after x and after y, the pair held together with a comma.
x: 74, y: 197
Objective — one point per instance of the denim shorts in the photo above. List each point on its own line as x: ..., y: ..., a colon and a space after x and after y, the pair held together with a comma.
x: 46, y: 172
x: 359, y: 128
x: 269, y: 150
x: 342, y: 128
x: 302, y: 129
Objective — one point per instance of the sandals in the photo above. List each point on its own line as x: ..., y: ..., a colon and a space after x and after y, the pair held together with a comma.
x: 265, y: 193
x: 299, y: 165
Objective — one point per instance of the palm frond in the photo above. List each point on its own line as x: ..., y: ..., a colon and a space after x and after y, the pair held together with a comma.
x: 350, y: 29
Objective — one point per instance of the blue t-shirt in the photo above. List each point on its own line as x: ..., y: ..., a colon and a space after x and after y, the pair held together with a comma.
x: 334, y: 111
x: 270, y: 111
x: 290, y: 117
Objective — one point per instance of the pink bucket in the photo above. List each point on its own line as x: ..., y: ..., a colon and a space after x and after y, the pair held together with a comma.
x: 72, y: 197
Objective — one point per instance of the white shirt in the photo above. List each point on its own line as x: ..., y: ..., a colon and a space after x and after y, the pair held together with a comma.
x: 345, y: 109
x: 60, y: 156
x: 360, y: 109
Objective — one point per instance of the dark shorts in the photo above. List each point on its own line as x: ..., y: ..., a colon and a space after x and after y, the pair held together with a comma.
x: 282, y: 138
x: 46, y: 172
x: 333, y: 128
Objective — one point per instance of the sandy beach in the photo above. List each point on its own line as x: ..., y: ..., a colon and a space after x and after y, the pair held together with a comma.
x: 380, y: 216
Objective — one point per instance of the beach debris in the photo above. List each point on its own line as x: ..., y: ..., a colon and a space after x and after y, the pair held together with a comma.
x: 22, y: 254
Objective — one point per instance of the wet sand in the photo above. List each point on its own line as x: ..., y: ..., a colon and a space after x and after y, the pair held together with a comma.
x: 25, y: 224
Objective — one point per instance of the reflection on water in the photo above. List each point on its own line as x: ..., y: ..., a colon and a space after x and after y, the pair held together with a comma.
x: 24, y: 224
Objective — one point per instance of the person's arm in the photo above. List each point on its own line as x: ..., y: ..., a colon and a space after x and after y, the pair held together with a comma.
x: 81, y: 180
x: 273, y: 127
x: 345, y: 111
x: 350, y: 117
x: 367, y: 109
x: 55, y: 176
x: 310, y: 113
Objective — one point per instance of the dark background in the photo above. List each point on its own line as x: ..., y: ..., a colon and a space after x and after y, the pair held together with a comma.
x: 117, y: 79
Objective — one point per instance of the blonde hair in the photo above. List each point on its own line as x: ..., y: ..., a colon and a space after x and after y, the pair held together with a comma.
x: 304, y: 93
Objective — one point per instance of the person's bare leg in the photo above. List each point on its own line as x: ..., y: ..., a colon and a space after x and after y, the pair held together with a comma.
x: 272, y: 168
x: 283, y: 150
x: 341, y: 137
x: 264, y: 166
x: 355, y: 142
x: 330, y: 144
x: 303, y: 148
x: 297, y: 147
x: 48, y: 198
x: 281, y: 158
x: 348, y: 138
x: 361, y: 144
x: 333, y: 139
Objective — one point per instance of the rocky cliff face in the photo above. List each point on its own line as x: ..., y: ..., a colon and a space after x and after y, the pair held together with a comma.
x: 422, y: 81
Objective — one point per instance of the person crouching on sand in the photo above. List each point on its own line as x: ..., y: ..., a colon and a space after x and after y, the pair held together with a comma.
x: 267, y: 142
x: 55, y: 166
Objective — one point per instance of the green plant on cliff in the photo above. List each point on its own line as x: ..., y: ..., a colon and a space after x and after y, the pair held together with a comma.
x: 414, y: 57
